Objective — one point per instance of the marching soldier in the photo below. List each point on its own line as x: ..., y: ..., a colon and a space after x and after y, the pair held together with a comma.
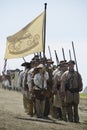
x: 71, y: 85
x: 58, y: 104
x: 48, y: 101
x: 30, y: 87
x: 64, y: 67
x: 40, y: 81
x: 6, y: 82
x: 22, y: 83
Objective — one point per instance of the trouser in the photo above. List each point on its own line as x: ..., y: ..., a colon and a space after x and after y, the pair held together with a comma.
x: 26, y: 103
x: 31, y: 107
x: 64, y: 111
x: 57, y: 113
x: 39, y: 105
x: 72, y: 110
x: 47, y: 107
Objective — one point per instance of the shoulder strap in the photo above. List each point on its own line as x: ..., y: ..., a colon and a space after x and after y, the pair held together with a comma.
x: 38, y: 87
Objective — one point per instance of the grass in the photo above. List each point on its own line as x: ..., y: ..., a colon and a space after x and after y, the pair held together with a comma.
x: 83, y: 95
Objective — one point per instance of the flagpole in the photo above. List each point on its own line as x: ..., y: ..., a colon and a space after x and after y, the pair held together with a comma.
x: 44, y: 30
x: 44, y: 38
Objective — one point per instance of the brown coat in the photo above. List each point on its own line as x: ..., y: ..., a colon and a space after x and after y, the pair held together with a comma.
x: 74, y: 83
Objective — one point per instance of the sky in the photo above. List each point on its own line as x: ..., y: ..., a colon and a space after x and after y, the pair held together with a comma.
x: 66, y: 21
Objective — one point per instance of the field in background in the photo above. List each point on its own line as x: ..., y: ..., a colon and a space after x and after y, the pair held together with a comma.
x: 82, y: 95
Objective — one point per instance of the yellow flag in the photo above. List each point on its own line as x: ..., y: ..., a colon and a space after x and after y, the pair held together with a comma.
x: 27, y: 41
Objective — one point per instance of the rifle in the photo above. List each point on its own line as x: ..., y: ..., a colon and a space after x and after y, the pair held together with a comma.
x: 70, y: 54
x: 24, y: 59
x: 40, y: 55
x: 57, y: 59
x: 63, y: 54
x: 4, y: 68
x: 74, y: 55
x: 50, y: 52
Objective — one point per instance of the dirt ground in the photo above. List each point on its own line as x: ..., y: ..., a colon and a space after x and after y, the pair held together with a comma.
x: 12, y: 116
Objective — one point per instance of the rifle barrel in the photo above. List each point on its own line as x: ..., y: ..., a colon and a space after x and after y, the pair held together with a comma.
x: 70, y: 54
x: 50, y: 53
x: 57, y: 59
x: 74, y: 55
x: 63, y: 54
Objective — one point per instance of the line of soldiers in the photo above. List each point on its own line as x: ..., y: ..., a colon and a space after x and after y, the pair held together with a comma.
x: 9, y: 79
x: 47, y: 91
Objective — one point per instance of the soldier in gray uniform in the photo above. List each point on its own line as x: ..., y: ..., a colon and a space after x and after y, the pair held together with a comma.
x: 22, y: 83
x: 58, y: 102
x: 71, y: 85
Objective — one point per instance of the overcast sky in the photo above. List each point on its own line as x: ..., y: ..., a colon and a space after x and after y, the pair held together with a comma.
x: 66, y: 21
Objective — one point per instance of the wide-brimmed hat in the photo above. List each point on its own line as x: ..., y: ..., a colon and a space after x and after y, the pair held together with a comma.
x: 71, y: 62
x: 40, y: 66
x: 50, y: 61
x: 32, y: 70
x: 63, y: 62
x: 26, y: 64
